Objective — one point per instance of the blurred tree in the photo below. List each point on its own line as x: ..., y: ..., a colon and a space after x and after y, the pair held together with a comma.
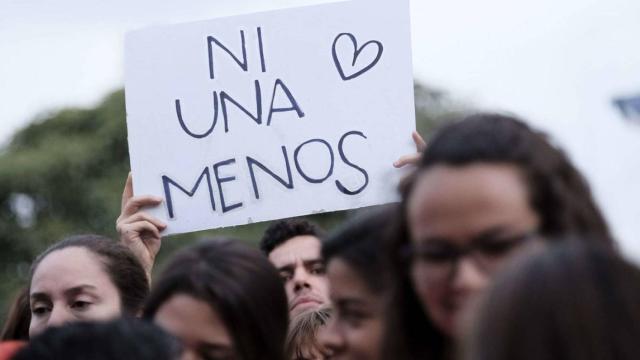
x: 64, y: 174
x: 434, y: 107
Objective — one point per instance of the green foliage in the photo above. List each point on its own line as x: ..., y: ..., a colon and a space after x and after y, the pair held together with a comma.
x: 64, y: 174
x: 434, y: 107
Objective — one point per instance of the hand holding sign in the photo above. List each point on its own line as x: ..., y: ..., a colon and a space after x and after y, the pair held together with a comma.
x: 139, y: 231
x: 412, y: 159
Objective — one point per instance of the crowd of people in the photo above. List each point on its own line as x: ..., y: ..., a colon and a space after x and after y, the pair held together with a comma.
x: 496, y: 250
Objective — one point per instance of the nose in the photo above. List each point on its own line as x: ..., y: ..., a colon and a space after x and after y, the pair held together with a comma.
x: 468, y: 277
x: 330, y: 337
x: 59, y: 316
x: 301, y: 280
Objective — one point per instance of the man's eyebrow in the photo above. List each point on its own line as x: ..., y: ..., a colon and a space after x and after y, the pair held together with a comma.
x: 288, y: 267
x: 312, y: 262
x: 306, y: 263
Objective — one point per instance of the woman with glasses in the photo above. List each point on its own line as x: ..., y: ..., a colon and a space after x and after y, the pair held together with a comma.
x: 487, y: 187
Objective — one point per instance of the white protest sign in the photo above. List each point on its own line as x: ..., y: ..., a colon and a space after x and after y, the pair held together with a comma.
x: 270, y: 115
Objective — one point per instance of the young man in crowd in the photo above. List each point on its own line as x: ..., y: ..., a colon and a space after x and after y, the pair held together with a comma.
x: 293, y: 247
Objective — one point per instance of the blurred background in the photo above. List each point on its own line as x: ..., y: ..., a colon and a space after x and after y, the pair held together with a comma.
x: 570, y: 68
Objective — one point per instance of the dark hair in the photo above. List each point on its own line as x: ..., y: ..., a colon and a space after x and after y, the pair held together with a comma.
x: 359, y: 243
x: 574, y: 301
x: 282, y: 230
x: 239, y: 284
x: 114, y: 340
x: 17, y: 325
x: 557, y: 193
x: 122, y: 267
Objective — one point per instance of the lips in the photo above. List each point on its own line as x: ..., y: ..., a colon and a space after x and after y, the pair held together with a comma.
x: 305, y: 299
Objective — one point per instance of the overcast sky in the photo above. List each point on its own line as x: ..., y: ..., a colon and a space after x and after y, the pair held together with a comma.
x: 557, y: 63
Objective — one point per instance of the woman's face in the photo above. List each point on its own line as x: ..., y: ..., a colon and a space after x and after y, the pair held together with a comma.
x: 464, y: 222
x: 71, y: 285
x: 356, y: 326
x: 198, y: 326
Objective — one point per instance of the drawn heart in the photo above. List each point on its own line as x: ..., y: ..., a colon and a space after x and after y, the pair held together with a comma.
x: 356, y: 52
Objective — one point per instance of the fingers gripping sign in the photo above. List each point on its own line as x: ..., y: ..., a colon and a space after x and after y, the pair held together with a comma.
x: 412, y: 159
x: 139, y: 231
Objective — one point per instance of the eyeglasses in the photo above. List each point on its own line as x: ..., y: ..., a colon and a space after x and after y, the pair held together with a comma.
x: 438, y: 259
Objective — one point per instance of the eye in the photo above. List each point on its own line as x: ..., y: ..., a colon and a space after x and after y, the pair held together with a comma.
x: 318, y: 269
x: 40, y: 310
x: 285, y: 275
x: 80, y: 305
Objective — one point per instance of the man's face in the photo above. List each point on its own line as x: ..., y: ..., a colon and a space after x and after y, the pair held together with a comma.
x: 299, y: 262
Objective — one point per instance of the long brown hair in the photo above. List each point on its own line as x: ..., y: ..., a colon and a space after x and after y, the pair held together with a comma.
x: 17, y: 325
x: 240, y: 284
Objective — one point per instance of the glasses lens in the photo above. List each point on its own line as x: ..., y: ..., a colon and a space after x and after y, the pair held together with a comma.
x: 491, y: 253
x: 434, y: 253
x: 432, y: 261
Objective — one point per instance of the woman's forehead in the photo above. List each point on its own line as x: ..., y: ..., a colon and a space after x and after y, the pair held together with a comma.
x: 69, y: 268
x: 460, y: 202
